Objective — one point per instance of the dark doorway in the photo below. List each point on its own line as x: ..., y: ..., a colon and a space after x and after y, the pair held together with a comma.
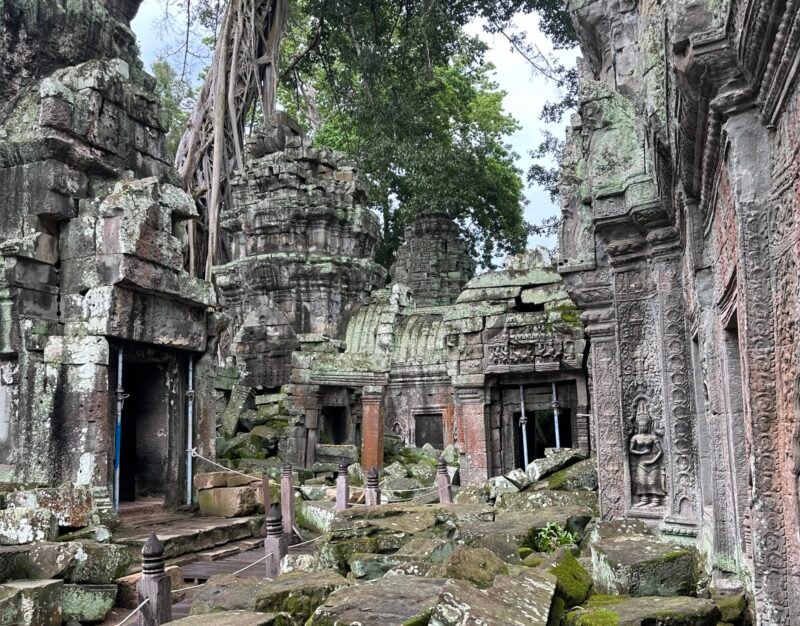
x: 334, y: 425
x: 144, y: 443
x: 429, y: 428
x: 541, y: 433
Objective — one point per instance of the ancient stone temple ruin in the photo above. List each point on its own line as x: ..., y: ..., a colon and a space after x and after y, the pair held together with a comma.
x: 679, y: 193
x: 610, y: 439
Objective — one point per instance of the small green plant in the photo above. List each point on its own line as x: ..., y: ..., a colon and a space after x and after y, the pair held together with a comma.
x: 549, y: 538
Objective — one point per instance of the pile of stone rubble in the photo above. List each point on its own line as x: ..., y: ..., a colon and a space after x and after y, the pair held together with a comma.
x: 521, y: 549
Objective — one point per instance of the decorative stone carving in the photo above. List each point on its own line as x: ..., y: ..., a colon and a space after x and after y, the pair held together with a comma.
x: 647, y: 460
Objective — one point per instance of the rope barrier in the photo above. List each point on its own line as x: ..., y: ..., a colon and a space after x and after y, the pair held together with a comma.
x: 246, y: 567
x: 196, y: 455
x: 134, y: 612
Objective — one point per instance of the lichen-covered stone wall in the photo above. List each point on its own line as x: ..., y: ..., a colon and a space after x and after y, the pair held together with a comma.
x: 679, y: 201
x: 93, y: 245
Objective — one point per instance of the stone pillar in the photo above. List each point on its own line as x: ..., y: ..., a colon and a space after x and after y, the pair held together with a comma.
x: 443, y: 482
x: 776, y: 597
x: 287, y: 501
x: 275, y: 544
x: 608, y: 432
x: 342, y: 487
x: 154, y: 585
x: 312, y: 408
x: 372, y: 427
x: 683, y: 514
x: 372, y: 495
x: 473, y: 437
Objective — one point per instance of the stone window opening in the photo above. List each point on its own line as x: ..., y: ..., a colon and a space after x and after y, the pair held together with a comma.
x: 334, y: 425
x: 429, y: 428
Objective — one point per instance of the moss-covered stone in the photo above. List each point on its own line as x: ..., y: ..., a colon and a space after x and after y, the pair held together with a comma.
x: 573, y: 582
x: 87, y: 603
x: 603, y: 610
x: 642, y: 565
x: 477, y: 566
x: 298, y: 594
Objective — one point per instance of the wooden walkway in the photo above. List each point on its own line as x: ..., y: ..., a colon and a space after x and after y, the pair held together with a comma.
x: 200, y: 571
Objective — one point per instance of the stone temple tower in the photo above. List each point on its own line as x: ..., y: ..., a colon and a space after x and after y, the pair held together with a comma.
x: 300, y: 241
x: 434, y: 261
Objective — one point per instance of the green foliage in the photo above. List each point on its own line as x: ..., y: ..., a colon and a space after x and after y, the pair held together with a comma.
x: 549, y: 538
x: 401, y: 88
x: 176, y: 98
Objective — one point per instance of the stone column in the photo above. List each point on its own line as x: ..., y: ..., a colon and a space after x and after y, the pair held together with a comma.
x: 683, y: 513
x: 287, y: 501
x: 312, y: 408
x: 608, y: 433
x: 473, y: 437
x: 342, y: 487
x: 275, y: 544
x: 154, y: 585
x: 443, y: 482
x: 776, y: 600
x: 372, y: 495
x: 372, y: 427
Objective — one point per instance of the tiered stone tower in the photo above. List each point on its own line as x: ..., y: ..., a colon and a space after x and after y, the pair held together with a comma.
x: 301, y: 244
x: 434, y: 261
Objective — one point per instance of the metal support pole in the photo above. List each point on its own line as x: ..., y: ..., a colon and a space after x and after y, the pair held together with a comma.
x: 523, y: 424
x: 189, y: 431
x: 118, y: 427
x: 556, y: 406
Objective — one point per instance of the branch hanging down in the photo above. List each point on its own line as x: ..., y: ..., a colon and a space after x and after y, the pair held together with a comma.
x: 243, y: 74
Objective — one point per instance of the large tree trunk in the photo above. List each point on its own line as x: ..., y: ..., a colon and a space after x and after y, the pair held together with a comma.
x: 243, y: 73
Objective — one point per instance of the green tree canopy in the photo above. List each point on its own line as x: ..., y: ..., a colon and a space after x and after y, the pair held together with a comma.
x: 400, y: 87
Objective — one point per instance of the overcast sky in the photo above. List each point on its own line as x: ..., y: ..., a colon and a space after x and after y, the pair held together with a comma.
x: 526, y: 93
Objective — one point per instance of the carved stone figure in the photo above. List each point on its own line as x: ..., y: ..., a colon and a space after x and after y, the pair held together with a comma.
x: 647, y: 460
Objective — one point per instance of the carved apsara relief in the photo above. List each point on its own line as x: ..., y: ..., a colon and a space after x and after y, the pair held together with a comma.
x: 647, y: 462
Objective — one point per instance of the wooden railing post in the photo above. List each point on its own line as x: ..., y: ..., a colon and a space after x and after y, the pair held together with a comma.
x: 342, y: 487
x: 443, y: 482
x: 275, y: 544
x: 287, y: 501
x: 154, y: 585
x: 372, y: 496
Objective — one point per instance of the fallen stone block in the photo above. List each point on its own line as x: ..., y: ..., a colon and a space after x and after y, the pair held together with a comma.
x: 227, y: 593
x: 369, y: 566
x: 477, y: 566
x: 298, y: 594
x: 536, y: 500
x: 427, y: 549
x: 581, y: 475
x: 21, y: 525
x: 227, y: 501
x: 15, y: 563
x: 315, y: 515
x: 241, y: 400
x: 622, y: 611
x: 87, y: 603
x: 127, y: 597
x: 555, y: 459
x: 511, y: 529
x: 389, y: 601
x: 300, y: 563
x: 229, y: 618
x: 51, y: 559
x: 211, y: 480
x: 399, y: 489
x: 524, y: 599
x: 32, y: 602
x: 72, y: 505
x: 643, y: 565
x: 99, y: 563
